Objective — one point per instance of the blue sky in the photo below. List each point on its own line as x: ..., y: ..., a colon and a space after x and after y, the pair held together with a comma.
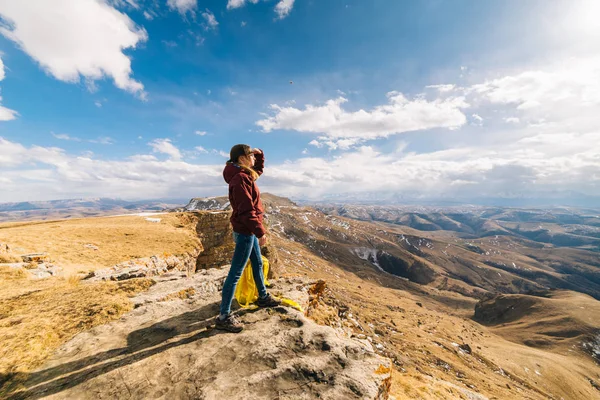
x: 439, y: 99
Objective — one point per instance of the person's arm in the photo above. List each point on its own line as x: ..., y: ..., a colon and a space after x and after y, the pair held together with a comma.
x: 259, y: 161
x: 242, y: 196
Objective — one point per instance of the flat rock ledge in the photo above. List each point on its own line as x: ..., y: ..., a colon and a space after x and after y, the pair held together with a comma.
x: 167, y: 348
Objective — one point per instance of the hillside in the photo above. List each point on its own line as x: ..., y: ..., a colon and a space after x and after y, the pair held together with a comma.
x: 479, y: 247
x: 452, y: 314
x: 558, y: 320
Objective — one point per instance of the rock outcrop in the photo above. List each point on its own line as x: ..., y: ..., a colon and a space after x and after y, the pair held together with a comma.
x: 167, y: 348
x: 147, y: 267
x: 216, y: 235
x: 42, y: 270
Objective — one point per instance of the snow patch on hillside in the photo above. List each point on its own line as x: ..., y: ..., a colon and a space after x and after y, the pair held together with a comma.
x: 369, y: 255
x: 338, y: 222
x: 593, y: 346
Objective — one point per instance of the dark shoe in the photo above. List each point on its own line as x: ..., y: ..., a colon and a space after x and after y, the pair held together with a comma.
x: 231, y: 324
x: 268, y: 301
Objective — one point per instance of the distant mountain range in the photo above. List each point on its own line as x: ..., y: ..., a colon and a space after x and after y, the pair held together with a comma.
x: 78, y: 208
x: 101, y: 203
x: 546, y: 199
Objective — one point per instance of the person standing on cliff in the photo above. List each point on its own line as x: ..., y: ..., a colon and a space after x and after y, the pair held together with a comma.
x: 242, y: 170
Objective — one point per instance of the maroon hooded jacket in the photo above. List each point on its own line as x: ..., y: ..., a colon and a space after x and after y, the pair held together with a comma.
x: 244, y: 198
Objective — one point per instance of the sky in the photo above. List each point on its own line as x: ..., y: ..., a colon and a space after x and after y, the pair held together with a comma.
x: 430, y: 99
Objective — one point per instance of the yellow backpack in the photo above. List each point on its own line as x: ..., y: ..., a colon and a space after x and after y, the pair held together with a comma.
x: 246, y: 292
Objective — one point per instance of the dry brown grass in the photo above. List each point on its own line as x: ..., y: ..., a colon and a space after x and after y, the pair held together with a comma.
x: 9, y: 258
x: 182, y: 294
x: 117, y: 238
x: 9, y: 274
x: 47, y: 313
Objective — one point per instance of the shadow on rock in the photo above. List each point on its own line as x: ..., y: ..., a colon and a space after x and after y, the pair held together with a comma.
x: 142, y: 343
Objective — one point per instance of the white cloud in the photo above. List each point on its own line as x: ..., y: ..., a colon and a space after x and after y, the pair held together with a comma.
x: 345, y: 144
x: 200, y: 133
x: 243, y: 24
x: 231, y: 4
x: 341, y: 144
x: 103, y: 140
x: 64, y: 136
x: 166, y: 147
x: 463, y: 172
x: 143, y: 157
x: 183, y: 6
x: 399, y: 115
x: 442, y: 88
x: 211, y: 21
x: 45, y: 173
x: 220, y: 152
x: 283, y: 8
x: 10, y: 152
x: 73, y: 39
x: 556, y: 98
x: 532, y: 165
x: 6, y: 114
x: 124, y: 3
x: 574, y: 80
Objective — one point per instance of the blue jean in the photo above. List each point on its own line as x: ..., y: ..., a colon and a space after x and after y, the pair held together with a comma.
x: 246, y: 247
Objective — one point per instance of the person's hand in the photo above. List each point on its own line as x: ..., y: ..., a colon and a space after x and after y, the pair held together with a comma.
x: 262, y: 240
x: 257, y: 151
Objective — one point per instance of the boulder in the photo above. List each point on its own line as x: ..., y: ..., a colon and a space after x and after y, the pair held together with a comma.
x: 35, y: 258
x: 146, y: 267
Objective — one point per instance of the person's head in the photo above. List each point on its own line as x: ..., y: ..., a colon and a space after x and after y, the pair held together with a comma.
x: 242, y: 154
